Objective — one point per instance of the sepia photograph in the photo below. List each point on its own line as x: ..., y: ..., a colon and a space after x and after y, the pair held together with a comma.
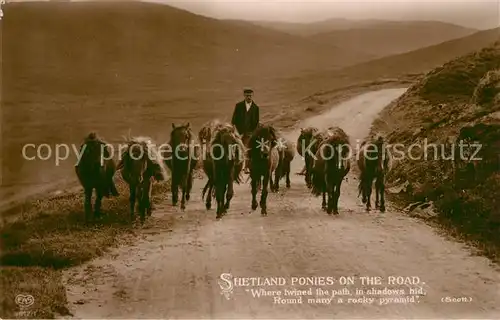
x: 250, y: 159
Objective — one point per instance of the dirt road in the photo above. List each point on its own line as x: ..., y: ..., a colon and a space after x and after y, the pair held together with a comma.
x: 176, y: 273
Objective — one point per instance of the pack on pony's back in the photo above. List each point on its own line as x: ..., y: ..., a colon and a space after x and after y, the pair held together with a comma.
x: 95, y: 171
x: 227, y: 164
x: 332, y: 164
x: 207, y: 131
x: 141, y: 164
x: 374, y: 162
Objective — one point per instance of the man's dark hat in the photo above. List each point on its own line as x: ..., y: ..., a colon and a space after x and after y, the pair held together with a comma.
x: 247, y: 90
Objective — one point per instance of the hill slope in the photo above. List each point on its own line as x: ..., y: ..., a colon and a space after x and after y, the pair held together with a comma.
x: 456, y: 107
x: 69, y: 68
x: 396, y: 66
x: 313, y: 28
x: 85, y: 47
x: 389, y: 38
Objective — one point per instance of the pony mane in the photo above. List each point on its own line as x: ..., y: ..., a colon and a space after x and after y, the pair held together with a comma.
x: 151, y: 152
x: 220, y: 128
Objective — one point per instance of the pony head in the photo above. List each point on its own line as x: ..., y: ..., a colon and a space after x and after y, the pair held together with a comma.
x: 135, y: 160
x: 94, y: 152
x: 180, y: 137
x: 263, y: 140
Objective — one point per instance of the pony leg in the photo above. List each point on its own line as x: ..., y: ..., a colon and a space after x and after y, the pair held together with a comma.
x: 175, y: 191
x: 141, y: 196
x: 382, y: 194
x: 208, y: 201
x: 98, y: 200
x: 132, y: 198
x: 288, y: 169
x: 369, y: 186
x: 336, y: 196
x: 275, y: 185
x: 264, y: 192
x: 230, y: 191
x: 323, y: 202
x: 271, y: 183
x: 183, y: 196
x: 149, y: 203
x: 220, y: 190
x: 377, y: 192
x: 229, y: 195
x: 330, y: 188
x: 308, y: 172
x: 189, y: 185
x: 88, y: 203
x: 255, y: 183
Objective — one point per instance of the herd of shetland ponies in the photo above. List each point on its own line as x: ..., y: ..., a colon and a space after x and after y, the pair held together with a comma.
x: 222, y: 155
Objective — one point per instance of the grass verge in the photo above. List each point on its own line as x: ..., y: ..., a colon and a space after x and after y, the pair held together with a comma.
x: 51, y: 234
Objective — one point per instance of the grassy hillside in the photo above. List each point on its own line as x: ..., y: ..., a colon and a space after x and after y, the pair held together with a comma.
x: 105, y: 47
x: 313, y: 28
x: 459, y: 101
x: 73, y: 67
x: 389, y: 38
x: 396, y: 66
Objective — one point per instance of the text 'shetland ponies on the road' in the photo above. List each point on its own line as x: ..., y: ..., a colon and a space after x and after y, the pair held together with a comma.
x: 330, y: 290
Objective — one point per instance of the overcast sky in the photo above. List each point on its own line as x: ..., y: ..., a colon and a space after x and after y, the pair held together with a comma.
x: 481, y: 14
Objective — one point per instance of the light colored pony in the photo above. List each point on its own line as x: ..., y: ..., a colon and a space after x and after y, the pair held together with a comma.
x: 141, y: 164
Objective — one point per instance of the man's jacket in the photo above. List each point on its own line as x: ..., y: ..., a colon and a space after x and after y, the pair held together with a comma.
x: 245, y: 121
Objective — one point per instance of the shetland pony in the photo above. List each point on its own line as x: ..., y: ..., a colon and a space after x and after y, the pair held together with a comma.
x: 286, y: 152
x: 95, y: 171
x: 374, y: 162
x: 205, y: 138
x: 263, y: 158
x: 182, y: 162
x: 304, y: 142
x: 141, y: 164
x: 330, y: 167
x: 227, y: 155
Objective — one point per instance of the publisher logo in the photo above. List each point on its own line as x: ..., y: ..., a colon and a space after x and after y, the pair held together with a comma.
x: 24, y: 301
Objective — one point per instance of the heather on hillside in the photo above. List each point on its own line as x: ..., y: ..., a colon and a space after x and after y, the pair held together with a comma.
x: 457, y: 103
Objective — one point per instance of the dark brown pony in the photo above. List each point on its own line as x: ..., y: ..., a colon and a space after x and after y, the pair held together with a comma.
x: 303, y: 143
x: 286, y: 152
x: 95, y: 172
x: 227, y: 154
x: 205, y: 138
x: 182, y: 162
x: 140, y: 165
x: 318, y: 187
x: 330, y: 167
x: 264, y: 159
x: 374, y: 162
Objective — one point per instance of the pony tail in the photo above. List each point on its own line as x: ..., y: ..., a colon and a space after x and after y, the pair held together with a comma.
x: 317, y: 179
